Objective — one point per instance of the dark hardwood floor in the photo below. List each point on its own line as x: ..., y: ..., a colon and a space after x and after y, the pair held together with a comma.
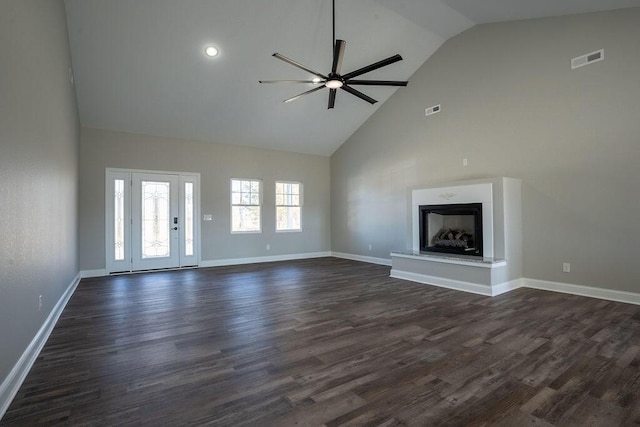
x: 329, y: 342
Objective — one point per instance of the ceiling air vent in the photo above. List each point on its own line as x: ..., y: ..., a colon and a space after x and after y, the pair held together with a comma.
x: 432, y: 110
x: 587, y: 59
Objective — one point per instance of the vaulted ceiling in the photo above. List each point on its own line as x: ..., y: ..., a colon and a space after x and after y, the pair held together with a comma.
x: 139, y: 65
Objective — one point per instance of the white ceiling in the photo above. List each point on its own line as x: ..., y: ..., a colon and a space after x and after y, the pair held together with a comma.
x: 139, y: 65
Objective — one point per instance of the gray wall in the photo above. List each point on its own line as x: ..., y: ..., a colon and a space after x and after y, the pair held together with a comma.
x: 217, y: 164
x: 513, y: 107
x: 38, y: 170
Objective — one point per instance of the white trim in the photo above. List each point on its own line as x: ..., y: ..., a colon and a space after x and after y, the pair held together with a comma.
x: 111, y: 264
x: 126, y: 265
x: 11, y: 384
x: 299, y: 206
x: 585, y: 291
x: 503, y: 288
x: 259, y: 205
x: 188, y: 260
x: 369, y: 259
x: 161, y: 172
x: 457, y: 285
x: 545, y: 285
x: 93, y: 273
x: 255, y: 260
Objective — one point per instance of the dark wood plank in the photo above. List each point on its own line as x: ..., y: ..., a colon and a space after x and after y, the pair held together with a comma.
x: 329, y: 342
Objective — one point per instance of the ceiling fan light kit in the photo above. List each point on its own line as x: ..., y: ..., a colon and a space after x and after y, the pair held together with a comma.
x: 334, y: 80
x: 334, y: 83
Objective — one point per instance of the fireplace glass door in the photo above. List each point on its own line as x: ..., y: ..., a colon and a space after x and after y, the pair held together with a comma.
x: 452, y: 228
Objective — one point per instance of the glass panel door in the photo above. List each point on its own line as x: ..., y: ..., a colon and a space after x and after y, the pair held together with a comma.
x: 155, y: 222
x: 156, y: 219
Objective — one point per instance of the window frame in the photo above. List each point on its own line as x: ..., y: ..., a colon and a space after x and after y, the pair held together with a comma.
x: 259, y: 205
x: 299, y: 205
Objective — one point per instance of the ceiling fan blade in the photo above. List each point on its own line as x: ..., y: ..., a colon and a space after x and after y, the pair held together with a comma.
x: 359, y: 94
x: 304, y: 93
x: 368, y: 68
x: 377, y: 82
x: 299, y: 65
x: 338, y: 54
x: 332, y: 98
x: 288, y: 81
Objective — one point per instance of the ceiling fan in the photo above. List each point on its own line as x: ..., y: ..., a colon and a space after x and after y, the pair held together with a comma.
x: 334, y: 80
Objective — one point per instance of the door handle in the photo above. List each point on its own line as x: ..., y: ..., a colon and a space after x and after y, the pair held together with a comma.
x: 174, y: 228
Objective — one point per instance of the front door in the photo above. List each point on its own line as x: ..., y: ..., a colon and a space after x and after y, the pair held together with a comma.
x: 154, y: 229
x: 151, y: 220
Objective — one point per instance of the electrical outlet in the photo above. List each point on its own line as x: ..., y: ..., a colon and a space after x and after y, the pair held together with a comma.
x: 566, y: 267
x: 40, y: 303
x: 465, y: 162
x: 268, y: 247
x: 369, y: 247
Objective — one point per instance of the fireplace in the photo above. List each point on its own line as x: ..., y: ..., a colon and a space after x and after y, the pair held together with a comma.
x: 487, y: 210
x: 451, y: 228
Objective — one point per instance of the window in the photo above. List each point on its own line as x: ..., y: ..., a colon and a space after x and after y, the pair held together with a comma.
x: 245, y: 206
x: 119, y: 220
x: 288, y: 202
x: 188, y: 219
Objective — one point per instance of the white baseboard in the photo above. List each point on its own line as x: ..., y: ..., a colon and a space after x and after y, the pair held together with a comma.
x: 565, y: 288
x: 254, y: 260
x: 505, y: 287
x: 11, y: 384
x: 224, y: 262
x: 369, y: 259
x: 458, y: 285
x: 93, y: 273
x: 585, y: 291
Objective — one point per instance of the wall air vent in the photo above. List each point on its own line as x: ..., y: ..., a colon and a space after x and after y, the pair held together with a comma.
x: 432, y: 110
x: 587, y: 59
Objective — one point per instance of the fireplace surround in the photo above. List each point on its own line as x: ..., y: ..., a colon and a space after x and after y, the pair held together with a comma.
x: 487, y: 210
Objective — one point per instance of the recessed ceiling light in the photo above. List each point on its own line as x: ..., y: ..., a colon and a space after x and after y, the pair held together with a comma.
x: 211, y: 51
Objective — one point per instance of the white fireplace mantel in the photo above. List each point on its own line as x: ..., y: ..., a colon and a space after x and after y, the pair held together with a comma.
x: 501, y: 263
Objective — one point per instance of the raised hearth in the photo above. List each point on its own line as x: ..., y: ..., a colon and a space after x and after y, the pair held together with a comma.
x: 472, y: 261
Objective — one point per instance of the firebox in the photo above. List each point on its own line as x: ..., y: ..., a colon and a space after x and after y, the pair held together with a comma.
x: 451, y: 228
